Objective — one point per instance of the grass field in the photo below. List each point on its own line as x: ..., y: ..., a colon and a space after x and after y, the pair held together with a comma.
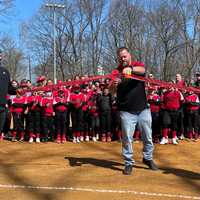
x: 94, y: 171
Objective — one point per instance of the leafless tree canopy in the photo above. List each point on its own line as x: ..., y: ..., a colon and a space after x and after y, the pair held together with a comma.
x: 13, y: 57
x: 162, y: 33
x: 5, y: 9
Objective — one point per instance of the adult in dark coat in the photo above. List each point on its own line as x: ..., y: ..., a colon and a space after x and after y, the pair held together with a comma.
x: 4, y: 90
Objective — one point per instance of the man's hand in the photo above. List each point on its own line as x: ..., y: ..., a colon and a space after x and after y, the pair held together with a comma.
x: 127, y: 71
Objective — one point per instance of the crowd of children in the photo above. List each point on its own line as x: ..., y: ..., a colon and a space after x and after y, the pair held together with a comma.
x: 88, y: 111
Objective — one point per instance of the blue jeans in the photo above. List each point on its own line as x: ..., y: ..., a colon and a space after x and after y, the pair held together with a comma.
x: 128, y: 123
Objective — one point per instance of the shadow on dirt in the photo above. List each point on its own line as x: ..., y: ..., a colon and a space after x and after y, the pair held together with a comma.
x: 181, y: 173
x: 10, y: 171
x: 93, y: 161
x: 74, y: 162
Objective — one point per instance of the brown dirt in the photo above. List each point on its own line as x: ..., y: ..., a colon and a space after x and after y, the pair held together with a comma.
x: 96, y: 166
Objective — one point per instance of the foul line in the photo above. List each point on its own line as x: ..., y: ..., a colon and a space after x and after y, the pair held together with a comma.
x: 99, y: 191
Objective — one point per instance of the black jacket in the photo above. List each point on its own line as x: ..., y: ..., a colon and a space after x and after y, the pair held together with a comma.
x: 104, y: 103
x: 5, y: 86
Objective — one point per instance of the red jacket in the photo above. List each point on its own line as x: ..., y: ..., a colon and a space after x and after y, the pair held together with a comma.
x: 34, y: 102
x: 92, y: 105
x: 154, y: 101
x: 60, y: 104
x: 192, y: 102
x: 77, y: 100
x: 47, y: 106
x: 172, y: 100
x: 18, y: 104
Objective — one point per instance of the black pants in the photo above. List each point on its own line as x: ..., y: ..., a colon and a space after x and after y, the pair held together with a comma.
x: 60, y: 122
x: 77, y: 119
x: 155, y: 124
x: 105, y: 120
x: 18, y: 120
x: 94, y: 122
x: 34, y: 119
x: 192, y: 120
x: 170, y: 119
x: 48, y: 127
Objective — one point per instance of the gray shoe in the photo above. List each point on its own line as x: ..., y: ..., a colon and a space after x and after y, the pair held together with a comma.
x: 128, y: 170
x: 150, y: 164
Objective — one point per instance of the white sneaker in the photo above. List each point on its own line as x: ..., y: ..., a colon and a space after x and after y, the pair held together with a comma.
x: 87, y: 138
x: 74, y: 140
x: 94, y: 139
x: 182, y: 137
x: 174, y: 141
x: 38, y: 140
x: 164, y: 141
x: 81, y: 138
x: 78, y: 140
x: 30, y: 140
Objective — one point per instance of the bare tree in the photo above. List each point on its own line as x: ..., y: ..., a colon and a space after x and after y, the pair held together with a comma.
x: 13, y: 58
x: 5, y: 9
x: 190, y: 13
x: 163, y: 34
x: 126, y: 27
x: 167, y: 25
x: 95, y: 14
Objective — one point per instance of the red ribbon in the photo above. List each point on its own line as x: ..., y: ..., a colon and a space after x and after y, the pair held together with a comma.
x: 113, y: 76
x: 164, y: 84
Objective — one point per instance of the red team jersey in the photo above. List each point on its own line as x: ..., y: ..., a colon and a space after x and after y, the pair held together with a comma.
x: 172, y: 100
x: 34, y: 102
x: 60, y: 104
x: 77, y: 99
x: 154, y: 101
x: 192, y: 102
x: 18, y: 104
x: 47, y: 106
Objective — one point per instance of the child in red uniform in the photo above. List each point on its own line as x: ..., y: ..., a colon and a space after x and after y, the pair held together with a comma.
x: 172, y: 100
x: 94, y: 117
x: 87, y: 95
x: 77, y: 101
x: 34, y: 110
x: 47, y: 114
x: 60, y: 108
x: 192, y: 114
x: 18, y: 106
x: 154, y: 102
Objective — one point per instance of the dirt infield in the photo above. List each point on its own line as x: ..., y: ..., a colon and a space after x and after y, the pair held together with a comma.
x: 93, y: 171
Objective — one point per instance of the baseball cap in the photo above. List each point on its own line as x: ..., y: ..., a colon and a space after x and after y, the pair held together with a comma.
x: 41, y: 78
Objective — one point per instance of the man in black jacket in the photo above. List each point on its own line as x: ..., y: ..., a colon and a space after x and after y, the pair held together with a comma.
x: 132, y: 104
x: 4, y: 89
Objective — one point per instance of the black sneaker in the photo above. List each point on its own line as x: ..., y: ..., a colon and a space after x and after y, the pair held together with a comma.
x: 127, y: 170
x: 150, y: 164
